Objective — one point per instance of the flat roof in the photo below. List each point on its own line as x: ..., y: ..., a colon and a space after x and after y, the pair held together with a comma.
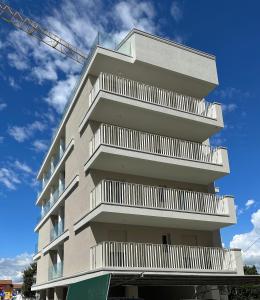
x: 163, y: 40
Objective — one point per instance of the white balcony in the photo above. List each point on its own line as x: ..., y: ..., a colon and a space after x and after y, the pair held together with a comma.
x: 56, y: 240
x: 129, y: 257
x: 128, y: 103
x: 52, y: 207
x: 134, y: 152
x: 54, y: 197
x: 56, y: 271
x: 54, y: 173
x: 137, y: 204
x: 54, y: 161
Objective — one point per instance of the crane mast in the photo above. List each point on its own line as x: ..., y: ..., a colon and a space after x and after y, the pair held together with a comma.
x: 36, y: 30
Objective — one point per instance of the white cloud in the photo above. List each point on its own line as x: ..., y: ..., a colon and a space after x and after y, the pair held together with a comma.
x: 231, y: 93
x: 23, y: 133
x: 176, y: 11
x: 3, y: 106
x: 13, y: 83
x: 40, y: 146
x: 249, y: 242
x: 36, y: 126
x: 59, y: 94
x: 12, y: 267
x: 18, y: 133
x: 218, y: 139
x: 14, y: 173
x: 179, y: 39
x: 77, y: 23
x: 249, y: 203
x: 229, y: 107
x: 23, y: 167
x: 15, y: 61
x: 46, y: 72
x: 41, y: 62
x: 138, y: 14
x: 9, y: 178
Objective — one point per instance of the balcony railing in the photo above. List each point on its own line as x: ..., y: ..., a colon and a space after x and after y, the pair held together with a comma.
x: 138, y: 195
x: 134, y: 256
x: 150, y: 94
x: 54, y: 162
x: 53, y: 198
x: 56, y: 271
x: 152, y: 143
x: 57, y: 230
x: 36, y: 248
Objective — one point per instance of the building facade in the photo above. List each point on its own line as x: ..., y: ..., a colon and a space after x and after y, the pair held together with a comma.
x: 128, y: 181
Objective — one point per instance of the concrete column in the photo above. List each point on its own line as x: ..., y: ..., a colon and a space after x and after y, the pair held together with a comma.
x: 61, y: 183
x: 60, y: 220
x: 52, y: 164
x: 131, y: 291
x: 208, y: 292
x: 51, y: 196
x: 58, y: 293
x: 49, y: 294
x: 43, y: 179
x: 61, y: 147
x: 230, y: 203
x: 237, y: 258
x: 41, y: 295
x: 59, y: 259
x: 223, y: 291
x: 42, y: 210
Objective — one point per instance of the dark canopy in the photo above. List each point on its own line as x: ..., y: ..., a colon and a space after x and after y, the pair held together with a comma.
x: 177, y: 280
x: 91, y: 289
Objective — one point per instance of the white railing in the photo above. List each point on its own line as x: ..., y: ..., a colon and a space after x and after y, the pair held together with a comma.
x: 56, y: 271
x: 57, y: 230
x: 152, y: 143
x: 56, y: 158
x: 150, y: 94
x: 54, y: 196
x: 138, y: 195
x: 134, y: 256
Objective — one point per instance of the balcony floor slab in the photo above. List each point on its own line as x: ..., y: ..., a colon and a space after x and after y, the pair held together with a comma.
x: 114, y: 109
x: 118, y: 160
x: 121, y: 214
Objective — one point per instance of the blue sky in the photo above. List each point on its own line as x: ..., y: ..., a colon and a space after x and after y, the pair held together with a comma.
x: 35, y: 82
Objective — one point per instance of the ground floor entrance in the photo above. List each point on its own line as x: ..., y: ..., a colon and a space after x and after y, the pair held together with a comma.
x: 167, y: 293
x: 145, y: 286
x: 57, y: 293
x: 128, y: 292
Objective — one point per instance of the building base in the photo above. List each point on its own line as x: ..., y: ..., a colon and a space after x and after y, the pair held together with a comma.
x: 151, y: 287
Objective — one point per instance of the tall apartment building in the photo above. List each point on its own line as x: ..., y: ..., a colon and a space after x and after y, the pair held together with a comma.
x: 128, y: 182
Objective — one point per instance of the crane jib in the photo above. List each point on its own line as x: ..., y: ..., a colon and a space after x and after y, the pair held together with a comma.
x: 36, y: 30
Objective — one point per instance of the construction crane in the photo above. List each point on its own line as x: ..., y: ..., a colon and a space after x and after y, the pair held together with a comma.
x: 37, y: 31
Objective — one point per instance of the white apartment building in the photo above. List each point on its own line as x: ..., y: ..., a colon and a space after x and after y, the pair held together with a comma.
x: 128, y: 181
